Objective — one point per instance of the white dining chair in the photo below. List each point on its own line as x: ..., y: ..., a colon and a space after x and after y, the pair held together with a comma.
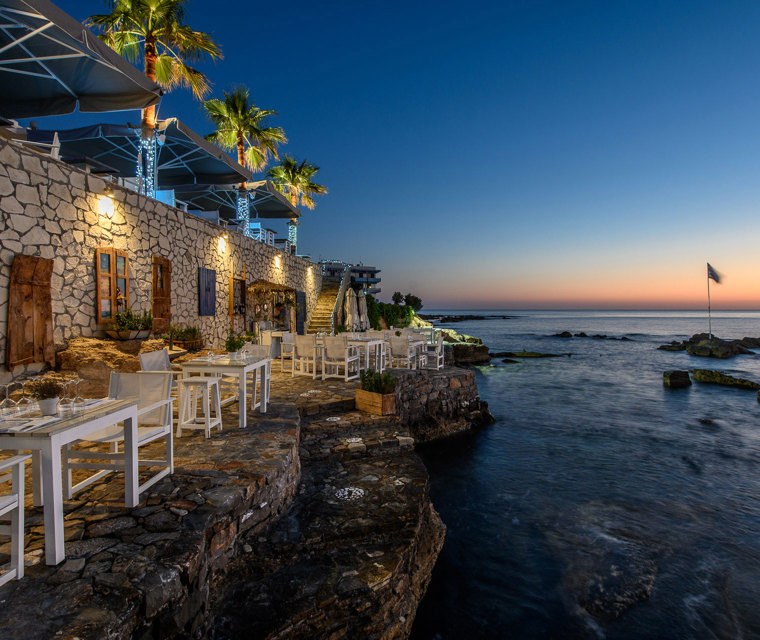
x: 12, y: 515
x: 154, y: 421
x: 306, y: 356
x: 339, y: 359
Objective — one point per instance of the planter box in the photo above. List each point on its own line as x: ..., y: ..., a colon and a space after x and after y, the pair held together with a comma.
x: 128, y: 335
x: 190, y: 345
x: 379, y: 404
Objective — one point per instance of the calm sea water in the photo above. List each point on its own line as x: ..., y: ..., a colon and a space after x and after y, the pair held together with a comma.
x: 598, y: 486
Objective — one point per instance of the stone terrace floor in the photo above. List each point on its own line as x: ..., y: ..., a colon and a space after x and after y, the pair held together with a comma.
x: 112, y: 549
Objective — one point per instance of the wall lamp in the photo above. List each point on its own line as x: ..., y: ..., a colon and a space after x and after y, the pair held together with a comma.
x: 106, y: 203
x: 223, y: 242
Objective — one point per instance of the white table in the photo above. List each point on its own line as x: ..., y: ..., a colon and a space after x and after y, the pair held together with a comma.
x: 240, y: 368
x: 46, y: 442
x: 371, y: 344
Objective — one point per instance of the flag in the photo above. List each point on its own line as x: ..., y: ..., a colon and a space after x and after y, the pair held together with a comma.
x: 712, y: 274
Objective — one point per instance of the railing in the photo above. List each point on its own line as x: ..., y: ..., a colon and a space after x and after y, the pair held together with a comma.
x: 341, y: 294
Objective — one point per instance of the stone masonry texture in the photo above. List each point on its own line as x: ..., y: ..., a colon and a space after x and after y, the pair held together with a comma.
x: 50, y: 209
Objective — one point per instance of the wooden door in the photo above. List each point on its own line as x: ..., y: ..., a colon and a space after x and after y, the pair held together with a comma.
x: 162, y: 296
x: 30, y: 313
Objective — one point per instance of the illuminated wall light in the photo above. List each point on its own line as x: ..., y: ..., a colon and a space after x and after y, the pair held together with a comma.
x: 106, y: 203
x: 223, y: 243
x: 277, y: 262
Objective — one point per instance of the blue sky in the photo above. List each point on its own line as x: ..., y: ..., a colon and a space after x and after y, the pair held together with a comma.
x: 512, y: 154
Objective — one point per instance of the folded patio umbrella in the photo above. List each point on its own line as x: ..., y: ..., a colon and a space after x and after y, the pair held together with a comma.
x: 363, y: 314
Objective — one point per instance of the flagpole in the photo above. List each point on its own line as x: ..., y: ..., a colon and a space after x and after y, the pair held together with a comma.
x: 709, y: 316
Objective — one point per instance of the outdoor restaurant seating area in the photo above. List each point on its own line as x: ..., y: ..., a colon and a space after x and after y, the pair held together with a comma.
x: 133, y: 431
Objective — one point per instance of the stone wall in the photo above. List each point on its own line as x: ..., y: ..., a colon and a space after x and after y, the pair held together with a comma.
x: 50, y: 209
x: 437, y: 404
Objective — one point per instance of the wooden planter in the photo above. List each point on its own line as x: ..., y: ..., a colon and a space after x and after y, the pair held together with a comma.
x: 379, y: 404
x: 190, y: 345
x: 128, y: 335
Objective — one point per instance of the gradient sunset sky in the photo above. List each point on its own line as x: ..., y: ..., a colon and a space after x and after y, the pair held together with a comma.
x: 511, y: 154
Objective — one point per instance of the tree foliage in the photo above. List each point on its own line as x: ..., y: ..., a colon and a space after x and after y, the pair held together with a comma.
x: 397, y: 297
x: 296, y: 180
x: 413, y: 301
x: 241, y: 125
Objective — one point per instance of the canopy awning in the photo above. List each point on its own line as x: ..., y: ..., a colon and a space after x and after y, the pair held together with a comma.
x: 184, y: 157
x: 49, y: 62
x: 265, y: 200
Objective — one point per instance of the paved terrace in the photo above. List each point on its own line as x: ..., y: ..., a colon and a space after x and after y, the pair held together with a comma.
x: 124, y: 566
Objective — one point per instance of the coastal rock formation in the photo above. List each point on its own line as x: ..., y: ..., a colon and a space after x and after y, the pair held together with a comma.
x: 530, y: 354
x: 564, y: 334
x: 466, y: 355
x: 353, y: 556
x: 704, y: 346
x: 709, y: 376
x: 437, y: 404
x: 676, y: 379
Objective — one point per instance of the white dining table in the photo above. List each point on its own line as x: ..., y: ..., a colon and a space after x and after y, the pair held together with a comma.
x: 369, y: 345
x: 45, y: 437
x: 239, y: 368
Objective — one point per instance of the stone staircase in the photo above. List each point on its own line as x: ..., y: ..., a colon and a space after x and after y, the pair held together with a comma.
x: 320, y: 319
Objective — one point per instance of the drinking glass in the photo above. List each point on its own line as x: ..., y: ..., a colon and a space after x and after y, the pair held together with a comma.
x: 66, y: 403
x: 78, y: 400
x: 25, y: 402
x: 8, y: 407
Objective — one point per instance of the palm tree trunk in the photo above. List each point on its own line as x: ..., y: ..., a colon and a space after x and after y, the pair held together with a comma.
x: 241, y: 153
x: 149, y: 113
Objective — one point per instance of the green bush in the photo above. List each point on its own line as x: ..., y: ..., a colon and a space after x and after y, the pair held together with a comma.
x: 130, y: 321
x: 46, y: 388
x: 375, y: 382
x: 234, y: 343
x: 178, y: 332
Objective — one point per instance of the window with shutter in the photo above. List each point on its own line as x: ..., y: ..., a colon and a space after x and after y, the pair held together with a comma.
x: 206, y: 292
x: 162, y: 298
x: 112, y: 278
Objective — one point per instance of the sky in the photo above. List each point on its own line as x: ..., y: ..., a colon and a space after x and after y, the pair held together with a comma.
x: 513, y: 154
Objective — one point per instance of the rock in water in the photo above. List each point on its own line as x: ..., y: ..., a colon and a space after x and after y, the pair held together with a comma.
x: 709, y: 376
x: 676, y: 379
x: 564, y: 334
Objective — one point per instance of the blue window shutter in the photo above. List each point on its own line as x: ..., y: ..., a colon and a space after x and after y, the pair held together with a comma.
x: 206, y: 292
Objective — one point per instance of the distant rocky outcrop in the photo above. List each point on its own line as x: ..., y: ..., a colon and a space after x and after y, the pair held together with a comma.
x: 676, y: 379
x: 583, y: 334
x: 703, y: 345
x: 531, y: 354
x: 709, y: 376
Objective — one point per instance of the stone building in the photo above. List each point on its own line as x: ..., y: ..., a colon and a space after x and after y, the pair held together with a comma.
x: 52, y: 210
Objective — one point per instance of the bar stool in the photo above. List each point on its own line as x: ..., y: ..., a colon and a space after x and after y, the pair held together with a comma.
x: 205, y: 389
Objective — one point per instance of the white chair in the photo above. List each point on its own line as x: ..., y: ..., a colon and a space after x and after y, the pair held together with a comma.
x: 435, y: 354
x: 337, y: 355
x: 12, y: 512
x: 286, y: 350
x: 403, y: 354
x: 203, y: 389
x: 305, y: 356
x: 152, y: 390
x: 159, y: 361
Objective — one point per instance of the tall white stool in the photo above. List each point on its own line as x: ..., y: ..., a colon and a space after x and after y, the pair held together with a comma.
x: 191, y: 390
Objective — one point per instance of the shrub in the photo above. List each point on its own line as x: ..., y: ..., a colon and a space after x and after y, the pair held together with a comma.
x: 234, y: 343
x: 46, y: 388
x: 375, y: 382
x: 130, y: 321
x: 178, y: 332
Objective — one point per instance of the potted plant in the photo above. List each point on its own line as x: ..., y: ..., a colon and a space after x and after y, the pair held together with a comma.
x: 185, y: 337
x: 234, y: 344
x: 377, y: 394
x: 128, y: 325
x: 47, y: 392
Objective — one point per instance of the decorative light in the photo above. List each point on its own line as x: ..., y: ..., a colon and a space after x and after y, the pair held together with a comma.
x: 106, y: 204
x: 146, y: 164
x: 277, y: 262
x: 244, y: 211
x: 223, y: 242
x: 293, y: 233
x: 349, y: 494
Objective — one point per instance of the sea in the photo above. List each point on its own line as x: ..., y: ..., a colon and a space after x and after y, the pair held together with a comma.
x: 600, y: 504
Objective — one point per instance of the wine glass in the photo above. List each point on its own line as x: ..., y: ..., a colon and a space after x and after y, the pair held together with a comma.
x: 8, y: 407
x: 66, y: 403
x: 25, y: 402
x: 78, y: 400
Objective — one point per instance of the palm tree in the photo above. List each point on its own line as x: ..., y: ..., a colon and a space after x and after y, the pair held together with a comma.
x: 296, y: 181
x: 242, y: 125
x: 155, y: 31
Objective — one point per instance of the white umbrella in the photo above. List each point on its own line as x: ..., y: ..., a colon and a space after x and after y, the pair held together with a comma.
x: 350, y: 310
x: 363, y: 314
